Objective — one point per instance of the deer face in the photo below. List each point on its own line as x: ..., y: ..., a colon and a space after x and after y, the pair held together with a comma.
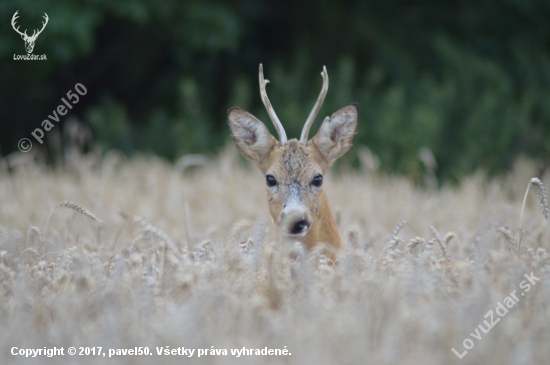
x: 294, y: 169
x: 29, y: 42
x: 294, y: 184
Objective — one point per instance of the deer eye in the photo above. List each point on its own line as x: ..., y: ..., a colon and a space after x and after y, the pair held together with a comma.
x: 270, y: 180
x: 317, y: 181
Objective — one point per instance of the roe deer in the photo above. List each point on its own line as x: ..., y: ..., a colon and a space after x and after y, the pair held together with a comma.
x: 294, y: 169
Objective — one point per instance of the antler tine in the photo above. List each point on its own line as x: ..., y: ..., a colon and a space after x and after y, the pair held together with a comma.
x: 316, y: 108
x: 270, y: 110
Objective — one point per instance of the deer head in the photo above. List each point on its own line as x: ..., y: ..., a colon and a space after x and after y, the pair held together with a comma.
x: 294, y: 169
x: 29, y: 41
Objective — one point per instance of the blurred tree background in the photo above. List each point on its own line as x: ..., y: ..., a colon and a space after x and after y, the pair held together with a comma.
x: 467, y: 79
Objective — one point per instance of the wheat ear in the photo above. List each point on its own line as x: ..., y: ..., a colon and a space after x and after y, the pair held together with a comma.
x: 440, y: 241
x: 396, y: 230
x: 149, y: 228
x: 541, y: 192
x: 74, y: 207
x: 394, y: 239
x: 413, y: 243
x: 37, y: 231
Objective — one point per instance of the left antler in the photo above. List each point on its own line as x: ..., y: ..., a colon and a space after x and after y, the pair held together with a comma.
x: 13, y: 23
x: 316, y: 107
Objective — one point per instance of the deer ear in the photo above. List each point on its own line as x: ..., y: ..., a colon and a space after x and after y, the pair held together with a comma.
x: 336, y: 133
x: 250, y: 135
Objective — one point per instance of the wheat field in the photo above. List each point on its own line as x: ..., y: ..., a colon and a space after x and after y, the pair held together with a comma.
x: 119, y: 253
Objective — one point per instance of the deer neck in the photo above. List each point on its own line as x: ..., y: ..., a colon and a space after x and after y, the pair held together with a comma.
x: 324, y: 229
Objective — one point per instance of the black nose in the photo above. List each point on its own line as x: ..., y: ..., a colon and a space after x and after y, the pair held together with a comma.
x: 300, y: 226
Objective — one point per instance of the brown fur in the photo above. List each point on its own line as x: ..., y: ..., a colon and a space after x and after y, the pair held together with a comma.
x: 295, y: 164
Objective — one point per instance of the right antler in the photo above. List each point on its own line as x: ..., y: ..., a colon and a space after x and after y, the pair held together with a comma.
x: 270, y: 110
x: 13, y: 19
x: 36, y: 33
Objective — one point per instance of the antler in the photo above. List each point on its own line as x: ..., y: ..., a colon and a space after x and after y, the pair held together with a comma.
x: 43, y: 26
x: 270, y: 110
x: 316, y: 107
x: 34, y: 34
x: 13, y: 19
x: 46, y: 18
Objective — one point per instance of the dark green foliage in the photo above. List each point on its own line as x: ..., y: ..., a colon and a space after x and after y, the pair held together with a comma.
x: 467, y: 79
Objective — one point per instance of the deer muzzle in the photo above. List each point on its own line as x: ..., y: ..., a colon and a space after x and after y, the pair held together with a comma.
x: 294, y: 221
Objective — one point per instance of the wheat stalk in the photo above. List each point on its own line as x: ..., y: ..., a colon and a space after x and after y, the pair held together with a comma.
x: 448, y: 237
x: 389, y: 249
x: 541, y: 192
x: 507, y: 234
x: 238, y: 229
x: 440, y: 241
x: 37, y: 231
x: 187, y: 235
x: 119, y: 231
x: 353, y: 237
x: 41, y: 257
x: 149, y: 228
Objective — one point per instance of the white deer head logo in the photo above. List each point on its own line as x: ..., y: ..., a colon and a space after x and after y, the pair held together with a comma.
x: 29, y: 41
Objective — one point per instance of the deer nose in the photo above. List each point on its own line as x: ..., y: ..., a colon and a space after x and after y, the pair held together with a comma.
x: 300, y: 226
x: 295, y: 222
